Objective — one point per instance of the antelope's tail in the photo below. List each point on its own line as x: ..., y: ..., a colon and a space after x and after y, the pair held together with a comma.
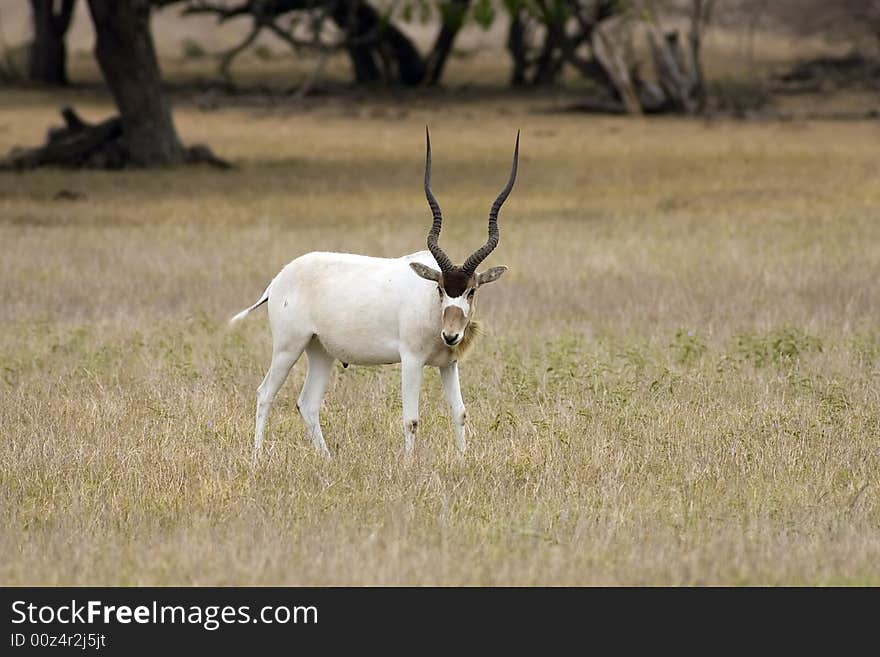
x: 247, y: 311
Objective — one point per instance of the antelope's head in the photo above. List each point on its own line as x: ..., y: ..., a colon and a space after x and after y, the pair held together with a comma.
x: 457, y: 285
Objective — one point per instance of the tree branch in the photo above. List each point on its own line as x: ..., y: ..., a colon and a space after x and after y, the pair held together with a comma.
x: 228, y: 56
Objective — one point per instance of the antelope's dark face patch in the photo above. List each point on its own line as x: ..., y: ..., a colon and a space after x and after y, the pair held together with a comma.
x: 456, y: 282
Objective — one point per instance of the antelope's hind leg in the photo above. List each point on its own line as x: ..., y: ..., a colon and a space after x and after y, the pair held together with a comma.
x: 320, y: 369
x: 282, y: 361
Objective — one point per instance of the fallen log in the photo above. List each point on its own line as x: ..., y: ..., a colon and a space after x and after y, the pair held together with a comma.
x: 82, y: 145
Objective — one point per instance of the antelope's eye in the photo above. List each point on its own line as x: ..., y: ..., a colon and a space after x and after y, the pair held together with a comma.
x: 471, y: 294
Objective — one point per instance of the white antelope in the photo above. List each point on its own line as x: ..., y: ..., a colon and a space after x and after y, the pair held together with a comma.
x: 416, y: 310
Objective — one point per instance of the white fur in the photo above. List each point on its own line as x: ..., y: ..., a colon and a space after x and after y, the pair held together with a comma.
x: 458, y: 302
x: 360, y: 310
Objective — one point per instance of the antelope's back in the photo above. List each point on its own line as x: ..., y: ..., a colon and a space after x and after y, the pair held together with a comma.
x: 353, y: 303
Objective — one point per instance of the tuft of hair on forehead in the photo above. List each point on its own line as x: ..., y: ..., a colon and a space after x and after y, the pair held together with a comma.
x: 455, y: 282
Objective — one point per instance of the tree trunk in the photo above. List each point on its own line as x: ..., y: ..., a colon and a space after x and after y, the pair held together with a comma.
x: 699, y: 17
x: 47, y: 61
x: 675, y: 83
x: 516, y: 45
x: 409, y: 66
x: 453, y: 13
x: 549, y: 63
x: 374, y: 41
x: 360, y: 52
x: 125, y: 52
x: 366, y: 70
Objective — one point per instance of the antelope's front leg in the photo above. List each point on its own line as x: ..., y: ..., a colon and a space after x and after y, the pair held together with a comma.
x: 411, y: 378
x: 452, y: 389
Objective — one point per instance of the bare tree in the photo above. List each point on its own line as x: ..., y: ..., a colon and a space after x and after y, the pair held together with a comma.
x: 597, y: 38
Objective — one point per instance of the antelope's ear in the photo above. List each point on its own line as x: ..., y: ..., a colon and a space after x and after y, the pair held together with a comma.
x: 425, y: 272
x: 490, y: 275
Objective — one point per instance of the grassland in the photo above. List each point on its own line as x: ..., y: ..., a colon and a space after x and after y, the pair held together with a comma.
x: 679, y: 385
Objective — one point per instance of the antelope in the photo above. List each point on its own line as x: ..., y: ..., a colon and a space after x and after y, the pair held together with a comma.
x: 416, y: 310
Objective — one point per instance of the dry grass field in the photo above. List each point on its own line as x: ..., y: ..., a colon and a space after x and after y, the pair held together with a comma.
x: 680, y: 383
